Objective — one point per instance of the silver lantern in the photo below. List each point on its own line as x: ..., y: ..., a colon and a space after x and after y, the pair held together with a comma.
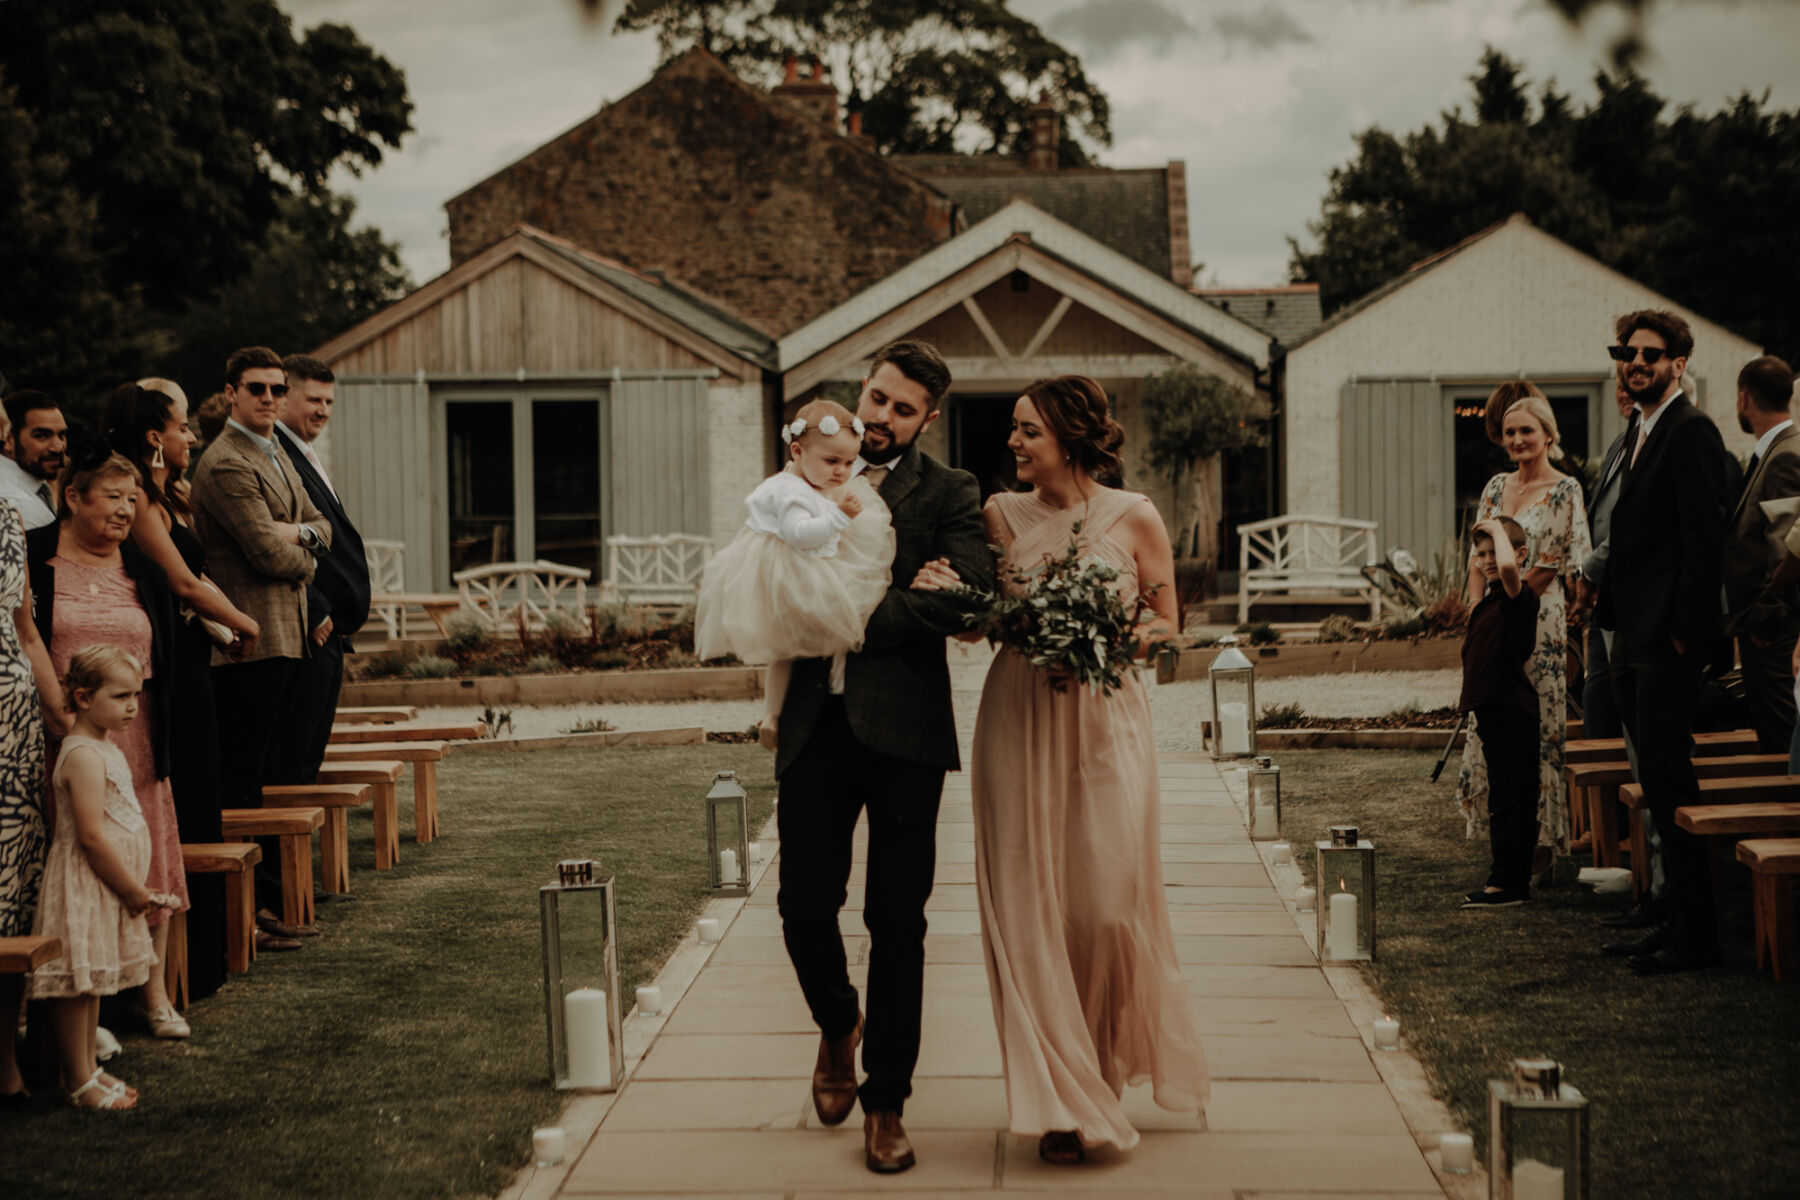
x: 581, y: 979
x: 1537, y: 1135
x: 1232, y: 678
x: 1346, y: 901
x: 728, y: 836
x: 1265, y: 800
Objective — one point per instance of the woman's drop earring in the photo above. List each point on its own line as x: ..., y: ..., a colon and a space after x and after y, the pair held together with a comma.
x: 156, y: 460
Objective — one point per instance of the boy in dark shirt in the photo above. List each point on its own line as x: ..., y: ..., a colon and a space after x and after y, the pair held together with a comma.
x: 1502, y: 632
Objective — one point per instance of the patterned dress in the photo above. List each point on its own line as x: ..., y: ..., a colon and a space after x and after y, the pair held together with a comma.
x: 1558, y: 528
x: 21, y: 746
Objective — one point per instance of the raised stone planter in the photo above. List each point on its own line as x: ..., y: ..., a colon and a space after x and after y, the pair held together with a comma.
x: 588, y: 687
x: 1320, y: 658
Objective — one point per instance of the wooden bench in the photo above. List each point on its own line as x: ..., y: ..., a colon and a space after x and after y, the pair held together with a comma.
x: 385, y: 714
x: 1302, y: 553
x: 1773, y: 863
x: 424, y: 757
x: 334, y: 839
x: 23, y: 955
x: 293, y: 827
x: 661, y: 572
x: 1586, y: 750
x: 409, y: 731
x: 384, y: 799
x: 1598, y: 784
x: 1722, y: 824
x: 1771, y: 789
x: 511, y: 595
x: 235, y: 861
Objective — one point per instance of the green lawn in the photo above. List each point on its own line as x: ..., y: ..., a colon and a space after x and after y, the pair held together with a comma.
x: 402, y: 1053
x: 1694, y: 1080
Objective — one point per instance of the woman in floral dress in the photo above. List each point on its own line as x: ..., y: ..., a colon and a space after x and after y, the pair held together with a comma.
x: 1548, y: 504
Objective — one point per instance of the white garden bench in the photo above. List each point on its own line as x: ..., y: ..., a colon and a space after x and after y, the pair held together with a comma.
x: 400, y: 611
x: 502, y: 593
x: 662, y: 570
x: 1306, y: 554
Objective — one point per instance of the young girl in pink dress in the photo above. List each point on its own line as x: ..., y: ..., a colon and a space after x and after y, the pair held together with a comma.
x: 93, y: 898
x: 811, y: 564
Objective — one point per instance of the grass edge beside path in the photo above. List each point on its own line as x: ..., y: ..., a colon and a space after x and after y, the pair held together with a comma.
x: 402, y: 1052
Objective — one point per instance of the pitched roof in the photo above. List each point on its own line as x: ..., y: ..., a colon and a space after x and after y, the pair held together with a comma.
x: 1287, y: 313
x: 1127, y: 210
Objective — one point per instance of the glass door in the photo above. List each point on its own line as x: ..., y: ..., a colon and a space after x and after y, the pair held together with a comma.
x: 483, y: 500
x: 565, y: 479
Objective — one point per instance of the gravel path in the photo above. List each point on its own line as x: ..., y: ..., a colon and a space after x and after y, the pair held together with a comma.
x: 1176, y: 708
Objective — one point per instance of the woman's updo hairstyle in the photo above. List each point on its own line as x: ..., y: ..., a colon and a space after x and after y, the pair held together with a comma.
x: 133, y: 412
x: 91, y: 459
x: 1501, y: 399
x: 1540, y: 408
x: 1078, y: 413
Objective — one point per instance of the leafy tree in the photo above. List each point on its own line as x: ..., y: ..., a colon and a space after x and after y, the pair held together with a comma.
x: 1190, y: 418
x: 1697, y: 206
x: 927, y: 76
x: 176, y: 130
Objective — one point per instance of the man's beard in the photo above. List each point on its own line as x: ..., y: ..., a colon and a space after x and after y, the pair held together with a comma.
x: 1651, y: 393
x: 881, y: 458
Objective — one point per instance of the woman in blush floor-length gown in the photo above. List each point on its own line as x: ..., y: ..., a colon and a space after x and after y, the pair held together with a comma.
x: 1087, y: 993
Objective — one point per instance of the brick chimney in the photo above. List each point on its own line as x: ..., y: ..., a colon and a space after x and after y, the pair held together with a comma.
x: 811, y: 93
x: 1044, y: 132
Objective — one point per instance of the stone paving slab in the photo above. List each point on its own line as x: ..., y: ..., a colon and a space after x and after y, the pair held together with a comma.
x: 1232, y: 1163
x: 786, y: 1161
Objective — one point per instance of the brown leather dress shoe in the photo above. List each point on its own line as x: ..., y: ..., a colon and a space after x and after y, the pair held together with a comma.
x: 885, y: 1147
x: 269, y: 923
x: 834, y: 1076
x: 266, y: 941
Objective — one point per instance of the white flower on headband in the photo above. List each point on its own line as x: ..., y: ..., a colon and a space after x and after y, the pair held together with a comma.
x: 828, y: 425
x: 856, y: 426
x: 795, y: 430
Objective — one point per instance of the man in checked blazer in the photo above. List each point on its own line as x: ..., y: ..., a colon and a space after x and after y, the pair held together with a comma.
x: 262, y: 533
x: 874, y: 731
x: 1762, y: 619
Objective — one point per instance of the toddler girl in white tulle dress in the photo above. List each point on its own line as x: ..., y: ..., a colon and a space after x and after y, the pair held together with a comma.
x: 811, y: 564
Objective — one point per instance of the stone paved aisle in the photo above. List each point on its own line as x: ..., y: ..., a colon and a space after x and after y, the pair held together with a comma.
x: 720, y: 1105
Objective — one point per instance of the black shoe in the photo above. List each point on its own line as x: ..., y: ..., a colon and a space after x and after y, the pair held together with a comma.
x: 1670, y: 959
x: 1643, y: 915
x: 1655, y: 940
x: 1506, y: 898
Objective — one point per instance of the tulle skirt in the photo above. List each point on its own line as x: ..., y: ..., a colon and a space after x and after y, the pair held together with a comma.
x: 762, y: 600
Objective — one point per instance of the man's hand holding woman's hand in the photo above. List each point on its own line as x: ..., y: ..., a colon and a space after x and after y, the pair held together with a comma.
x: 936, y: 576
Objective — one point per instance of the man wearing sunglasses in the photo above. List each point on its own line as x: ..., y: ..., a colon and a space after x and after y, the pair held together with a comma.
x: 261, y: 532
x: 1661, y: 598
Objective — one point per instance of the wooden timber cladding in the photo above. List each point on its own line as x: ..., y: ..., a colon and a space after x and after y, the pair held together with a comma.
x: 1019, y: 318
x: 517, y: 315
x: 1398, y: 457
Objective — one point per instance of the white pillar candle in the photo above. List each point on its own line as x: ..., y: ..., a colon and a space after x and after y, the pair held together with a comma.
x: 1234, y: 727
x: 1281, y: 852
x: 1387, y: 1033
x: 649, y: 1000
x: 728, y: 867
x: 1457, y: 1153
x: 708, y: 929
x: 1533, y: 1180
x: 547, y: 1145
x: 756, y: 854
x: 1262, y: 821
x: 1340, y: 934
x: 588, y: 1037
x: 1304, y: 897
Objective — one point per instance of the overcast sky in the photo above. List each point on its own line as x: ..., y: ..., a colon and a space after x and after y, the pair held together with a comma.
x: 1260, y: 97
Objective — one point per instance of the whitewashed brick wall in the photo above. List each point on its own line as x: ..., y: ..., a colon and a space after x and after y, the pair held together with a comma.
x: 738, y: 441
x: 1518, y: 303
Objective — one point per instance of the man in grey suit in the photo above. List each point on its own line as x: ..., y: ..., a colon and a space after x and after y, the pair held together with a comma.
x: 1761, y: 618
x: 874, y: 731
x: 1599, y: 715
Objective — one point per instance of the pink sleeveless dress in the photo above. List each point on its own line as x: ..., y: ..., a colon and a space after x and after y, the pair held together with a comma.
x: 1081, y: 963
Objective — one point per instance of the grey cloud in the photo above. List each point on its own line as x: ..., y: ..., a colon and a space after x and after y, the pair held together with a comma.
x: 1103, y: 28
x: 1263, y: 30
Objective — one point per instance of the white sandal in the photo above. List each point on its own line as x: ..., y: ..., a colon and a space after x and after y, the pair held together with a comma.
x: 112, y: 1095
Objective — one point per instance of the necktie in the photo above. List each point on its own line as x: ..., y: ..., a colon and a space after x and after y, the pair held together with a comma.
x: 876, y: 476
x: 44, y: 495
x: 1643, y: 436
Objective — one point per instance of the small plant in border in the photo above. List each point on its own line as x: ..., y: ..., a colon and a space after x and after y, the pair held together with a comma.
x: 1281, y: 716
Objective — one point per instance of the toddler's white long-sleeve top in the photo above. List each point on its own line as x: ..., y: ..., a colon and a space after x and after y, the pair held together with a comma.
x: 790, y: 508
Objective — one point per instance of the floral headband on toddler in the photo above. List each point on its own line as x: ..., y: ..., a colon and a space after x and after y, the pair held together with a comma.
x: 828, y: 425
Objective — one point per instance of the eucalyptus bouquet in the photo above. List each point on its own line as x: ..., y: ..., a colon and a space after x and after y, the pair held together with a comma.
x: 1066, y: 616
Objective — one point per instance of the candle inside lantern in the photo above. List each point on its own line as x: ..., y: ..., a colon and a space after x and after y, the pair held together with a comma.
x: 1457, y: 1153
x: 1234, y: 727
x: 1262, y: 822
x: 708, y: 929
x: 1281, y: 852
x: 547, y: 1145
x: 1340, y: 934
x: 1533, y: 1180
x: 728, y: 866
x: 649, y: 1001
x: 1304, y: 898
x: 1387, y: 1033
x: 589, y: 1038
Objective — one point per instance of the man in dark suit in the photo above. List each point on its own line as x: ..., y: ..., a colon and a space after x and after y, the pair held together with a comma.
x: 1660, y: 597
x: 1761, y: 618
x: 874, y: 731
x: 337, y: 599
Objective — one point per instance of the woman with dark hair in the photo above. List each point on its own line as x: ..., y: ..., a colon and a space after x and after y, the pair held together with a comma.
x: 91, y: 585
x: 1080, y: 953
x: 30, y: 698
x: 147, y: 422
